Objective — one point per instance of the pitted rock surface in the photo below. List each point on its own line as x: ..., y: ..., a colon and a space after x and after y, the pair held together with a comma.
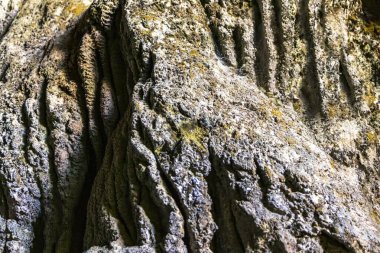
x: 189, y: 126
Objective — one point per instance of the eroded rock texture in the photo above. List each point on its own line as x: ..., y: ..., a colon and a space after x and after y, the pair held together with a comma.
x: 189, y: 126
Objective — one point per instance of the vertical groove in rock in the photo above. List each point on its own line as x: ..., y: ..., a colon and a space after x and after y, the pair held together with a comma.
x: 277, y: 26
x: 261, y: 52
x: 89, y: 71
x: 53, y: 217
x: 312, y: 87
x: 227, y: 231
x: 266, y: 47
x: 4, y: 201
x: 347, y: 82
x: 3, y: 72
x: 237, y: 37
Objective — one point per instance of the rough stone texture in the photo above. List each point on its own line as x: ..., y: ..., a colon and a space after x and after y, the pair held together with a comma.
x: 189, y: 126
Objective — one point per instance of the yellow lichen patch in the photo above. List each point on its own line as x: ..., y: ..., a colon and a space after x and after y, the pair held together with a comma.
x: 372, y: 27
x: 158, y: 150
x: 332, y: 164
x: 276, y: 113
x: 332, y: 111
x: 194, y: 53
x: 76, y: 7
x: 297, y: 106
x: 268, y: 172
x: 370, y: 98
x: 149, y: 17
x: 375, y: 216
x: 371, y: 137
x: 146, y: 32
x: 194, y: 134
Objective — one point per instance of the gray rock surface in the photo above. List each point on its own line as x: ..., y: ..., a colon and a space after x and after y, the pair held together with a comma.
x: 189, y: 126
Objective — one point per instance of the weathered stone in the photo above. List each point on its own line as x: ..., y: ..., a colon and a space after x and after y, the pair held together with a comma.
x: 189, y: 126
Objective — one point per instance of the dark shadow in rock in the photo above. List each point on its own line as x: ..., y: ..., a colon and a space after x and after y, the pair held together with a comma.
x: 371, y: 9
x: 331, y: 245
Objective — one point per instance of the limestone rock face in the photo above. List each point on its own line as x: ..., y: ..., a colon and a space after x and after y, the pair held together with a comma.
x: 189, y: 126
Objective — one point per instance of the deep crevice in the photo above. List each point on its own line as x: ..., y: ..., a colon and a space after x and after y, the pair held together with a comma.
x: 347, y: 85
x: 44, y: 120
x: 236, y: 228
x: 38, y: 243
x: 3, y: 72
x: 128, y: 237
x: 102, y: 138
x: 264, y: 184
x: 8, y: 26
x: 128, y: 219
x: 332, y: 245
x: 122, y: 112
x: 218, y: 48
x: 175, y: 195
x: 107, y: 67
x: 239, y: 47
x: 261, y: 45
x: 12, y: 19
x: 371, y: 9
x: 4, y: 207
x: 222, y: 211
x: 118, y: 74
x: 171, y: 192
x: 278, y: 37
x: 80, y: 209
x: 311, y: 87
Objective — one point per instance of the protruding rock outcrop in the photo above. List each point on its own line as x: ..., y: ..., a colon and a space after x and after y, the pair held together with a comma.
x: 189, y: 126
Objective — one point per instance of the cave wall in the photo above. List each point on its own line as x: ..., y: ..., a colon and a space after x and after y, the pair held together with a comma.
x: 189, y: 126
